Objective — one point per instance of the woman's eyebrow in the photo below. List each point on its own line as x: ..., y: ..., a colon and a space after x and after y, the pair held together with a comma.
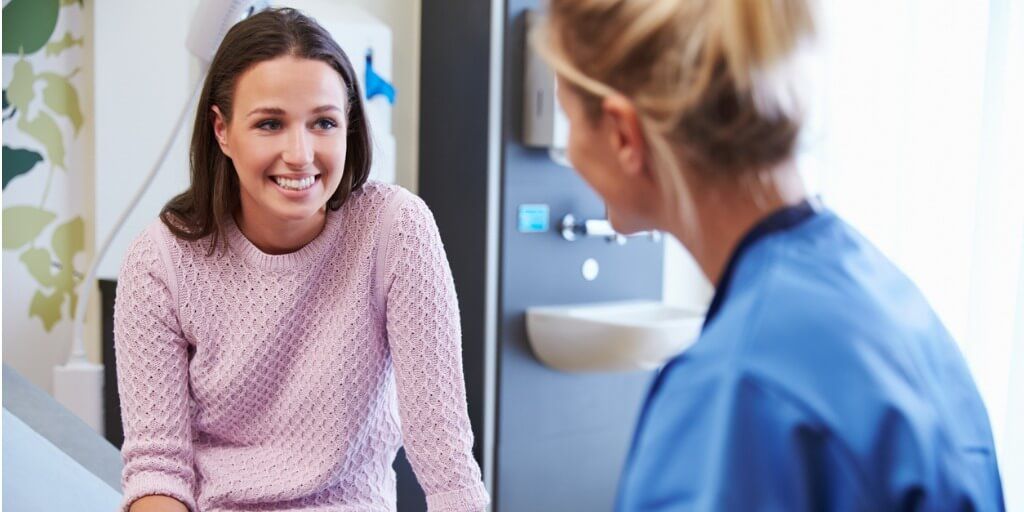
x: 275, y: 111
x: 326, y: 108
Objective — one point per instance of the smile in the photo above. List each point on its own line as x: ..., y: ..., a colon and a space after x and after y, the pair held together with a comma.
x: 294, y: 184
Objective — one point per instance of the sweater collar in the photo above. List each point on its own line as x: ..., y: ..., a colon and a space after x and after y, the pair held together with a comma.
x: 304, y: 257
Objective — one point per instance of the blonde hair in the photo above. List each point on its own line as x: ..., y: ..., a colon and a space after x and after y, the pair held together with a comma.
x: 711, y: 79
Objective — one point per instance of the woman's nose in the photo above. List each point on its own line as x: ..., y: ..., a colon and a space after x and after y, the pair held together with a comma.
x: 298, y: 153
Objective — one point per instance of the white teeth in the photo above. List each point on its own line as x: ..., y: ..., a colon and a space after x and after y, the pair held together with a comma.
x: 291, y: 184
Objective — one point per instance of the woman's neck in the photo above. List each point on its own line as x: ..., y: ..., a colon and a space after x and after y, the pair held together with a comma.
x: 725, y: 211
x: 276, y: 236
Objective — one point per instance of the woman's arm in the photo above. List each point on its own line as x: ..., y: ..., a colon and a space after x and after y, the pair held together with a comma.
x: 426, y: 346
x: 153, y: 381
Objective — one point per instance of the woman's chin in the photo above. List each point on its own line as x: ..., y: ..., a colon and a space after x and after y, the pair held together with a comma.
x: 627, y: 224
x: 297, y: 213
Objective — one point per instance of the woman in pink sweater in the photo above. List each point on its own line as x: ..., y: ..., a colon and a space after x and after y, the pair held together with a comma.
x: 286, y: 325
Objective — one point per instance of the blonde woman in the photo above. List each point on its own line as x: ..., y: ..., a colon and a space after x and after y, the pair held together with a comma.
x: 822, y: 379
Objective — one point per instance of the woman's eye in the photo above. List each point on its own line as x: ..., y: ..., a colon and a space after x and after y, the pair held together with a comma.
x: 325, y: 124
x: 269, y: 124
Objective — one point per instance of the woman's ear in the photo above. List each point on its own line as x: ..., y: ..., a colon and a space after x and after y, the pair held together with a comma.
x: 626, y: 135
x: 220, y: 130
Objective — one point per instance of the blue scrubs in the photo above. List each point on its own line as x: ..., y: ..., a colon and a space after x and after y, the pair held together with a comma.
x: 822, y: 381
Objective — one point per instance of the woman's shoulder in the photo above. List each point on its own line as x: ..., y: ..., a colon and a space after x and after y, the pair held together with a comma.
x: 388, y: 204
x: 375, y: 197
x: 147, y: 252
x: 159, y: 239
x: 152, y: 238
x: 830, y: 313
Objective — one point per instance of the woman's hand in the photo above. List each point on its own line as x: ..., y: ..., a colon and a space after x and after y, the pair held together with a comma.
x: 157, y: 504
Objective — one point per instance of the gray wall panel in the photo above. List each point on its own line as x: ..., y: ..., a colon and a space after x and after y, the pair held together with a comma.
x: 560, y: 438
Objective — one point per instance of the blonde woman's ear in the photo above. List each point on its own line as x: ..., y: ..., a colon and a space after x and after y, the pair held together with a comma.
x: 220, y: 130
x: 624, y: 129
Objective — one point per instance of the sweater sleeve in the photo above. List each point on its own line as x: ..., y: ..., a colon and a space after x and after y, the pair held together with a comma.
x: 425, y: 341
x: 153, y: 381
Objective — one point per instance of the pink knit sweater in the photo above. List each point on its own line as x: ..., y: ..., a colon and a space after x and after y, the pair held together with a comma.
x: 251, y: 381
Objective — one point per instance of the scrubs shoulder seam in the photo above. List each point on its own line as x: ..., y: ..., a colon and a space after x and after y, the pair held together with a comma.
x: 736, y: 360
x: 766, y: 277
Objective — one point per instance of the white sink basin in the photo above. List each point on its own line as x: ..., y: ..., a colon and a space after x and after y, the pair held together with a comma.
x: 610, y: 336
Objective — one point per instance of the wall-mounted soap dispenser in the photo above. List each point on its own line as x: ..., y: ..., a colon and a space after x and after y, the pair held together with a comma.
x: 544, y: 121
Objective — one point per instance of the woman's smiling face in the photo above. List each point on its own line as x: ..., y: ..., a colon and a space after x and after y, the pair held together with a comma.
x: 286, y: 137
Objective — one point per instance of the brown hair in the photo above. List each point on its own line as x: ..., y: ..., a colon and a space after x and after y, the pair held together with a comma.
x: 213, y: 195
x: 707, y: 77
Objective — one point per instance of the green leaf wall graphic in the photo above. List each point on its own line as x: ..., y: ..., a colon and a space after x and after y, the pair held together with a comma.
x: 20, y: 91
x: 67, y: 42
x: 28, y: 25
x: 22, y: 224
x: 39, y: 265
x: 18, y: 162
x: 58, y: 94
x: 57, y: 287
x: 62, y: 98
x: 44, y: 129
x: 46, y: 306
x: 68, y: 240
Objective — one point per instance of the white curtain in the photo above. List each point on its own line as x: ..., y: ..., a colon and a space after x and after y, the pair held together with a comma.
x: 916, y: 137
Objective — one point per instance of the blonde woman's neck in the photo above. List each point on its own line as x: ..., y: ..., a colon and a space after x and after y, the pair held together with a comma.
x: 725, y: 211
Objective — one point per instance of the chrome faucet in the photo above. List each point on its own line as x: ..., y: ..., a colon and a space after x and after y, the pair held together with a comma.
x: 572, y: 229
